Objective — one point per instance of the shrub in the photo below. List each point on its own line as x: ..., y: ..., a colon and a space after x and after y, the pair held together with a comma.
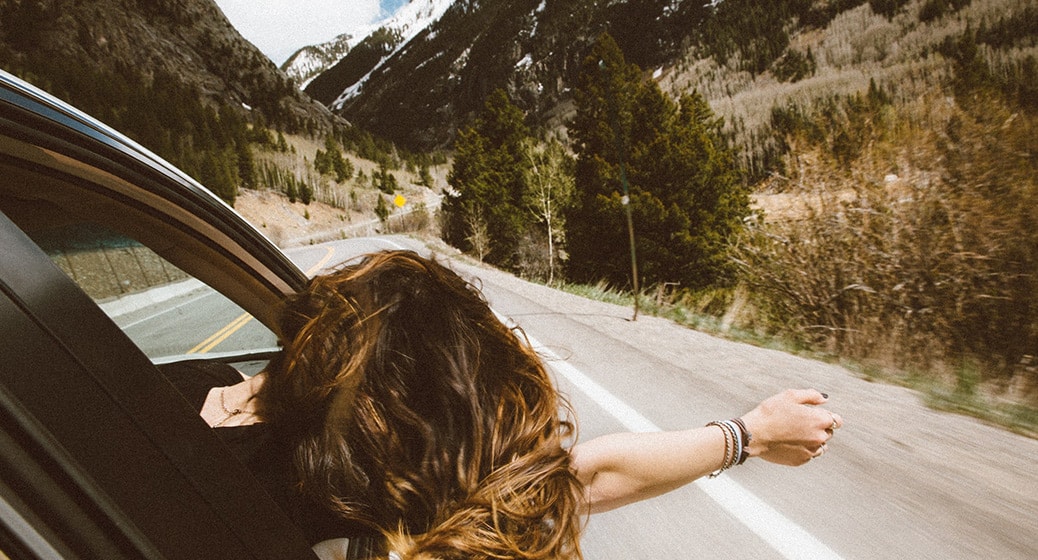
x: 938, y: 268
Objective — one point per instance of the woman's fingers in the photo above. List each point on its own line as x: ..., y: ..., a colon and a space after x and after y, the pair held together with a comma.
x: 807, y: 396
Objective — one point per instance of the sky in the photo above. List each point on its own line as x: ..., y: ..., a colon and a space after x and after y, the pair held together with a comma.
x: 280, y: 27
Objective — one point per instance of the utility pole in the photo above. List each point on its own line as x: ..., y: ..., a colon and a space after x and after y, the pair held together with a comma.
x: 626, y: 200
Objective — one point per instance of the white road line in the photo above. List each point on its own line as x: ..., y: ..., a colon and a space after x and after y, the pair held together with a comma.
x: 782, y: 534
x: 193, y: 299
x: 392, y: 244
x: 628, y: 417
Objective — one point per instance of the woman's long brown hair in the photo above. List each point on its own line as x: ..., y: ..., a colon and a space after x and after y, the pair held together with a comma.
x: 420, y: 414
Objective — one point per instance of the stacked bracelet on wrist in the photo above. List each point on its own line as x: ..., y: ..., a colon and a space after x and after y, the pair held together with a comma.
x: 736, y: 443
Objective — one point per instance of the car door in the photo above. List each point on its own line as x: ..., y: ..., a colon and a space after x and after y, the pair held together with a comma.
x: 100, y: 457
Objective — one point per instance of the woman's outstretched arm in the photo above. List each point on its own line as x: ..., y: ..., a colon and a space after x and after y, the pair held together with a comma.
x: 617, y: 469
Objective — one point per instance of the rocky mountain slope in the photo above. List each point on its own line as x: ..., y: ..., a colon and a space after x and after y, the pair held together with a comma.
x: 417, y: 91
x: 376, y: 41
x: 312, y: 60
x: 65, y: 45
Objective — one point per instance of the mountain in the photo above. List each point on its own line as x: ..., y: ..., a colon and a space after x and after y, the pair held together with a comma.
x: 415, y: 87
x: 312, y: 60
x: 745, y: 56
x: 175, y: 76
x: 399, y: 28
x: 91, y: 51
x: 372, y: 48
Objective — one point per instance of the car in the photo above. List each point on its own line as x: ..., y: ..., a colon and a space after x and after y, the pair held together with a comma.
x: 113, y: 264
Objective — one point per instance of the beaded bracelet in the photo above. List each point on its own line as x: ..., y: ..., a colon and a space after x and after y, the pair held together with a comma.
x: 729, y: 447
x: 736, y: 443
x: 746, y: 439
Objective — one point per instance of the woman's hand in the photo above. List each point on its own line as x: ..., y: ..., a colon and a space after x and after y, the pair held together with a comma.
x: 789, y: 428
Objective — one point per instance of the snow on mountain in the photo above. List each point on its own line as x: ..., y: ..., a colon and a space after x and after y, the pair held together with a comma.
x: 409, y: 20
x: 311, y: 60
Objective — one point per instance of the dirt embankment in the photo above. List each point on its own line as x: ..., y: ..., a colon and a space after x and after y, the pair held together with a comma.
x: 290, y: 224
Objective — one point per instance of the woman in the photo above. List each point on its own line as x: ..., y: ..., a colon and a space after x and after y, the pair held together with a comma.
x: 410, y: 411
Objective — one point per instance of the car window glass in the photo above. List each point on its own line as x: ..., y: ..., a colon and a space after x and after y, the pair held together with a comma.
x: 165, y: 311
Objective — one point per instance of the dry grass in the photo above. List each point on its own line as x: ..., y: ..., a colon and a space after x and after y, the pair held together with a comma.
x: 915, y: 259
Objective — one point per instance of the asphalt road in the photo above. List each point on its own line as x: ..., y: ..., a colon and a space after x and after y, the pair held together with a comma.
x: 899, y: 480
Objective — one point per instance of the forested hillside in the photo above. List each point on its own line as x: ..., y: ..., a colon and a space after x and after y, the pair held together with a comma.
x: 174, y: 76
x: 179, y: 79
x: 895, y: 150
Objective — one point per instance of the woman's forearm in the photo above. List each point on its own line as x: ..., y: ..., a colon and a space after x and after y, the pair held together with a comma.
x: 622, y: 468
x: 617, y: 469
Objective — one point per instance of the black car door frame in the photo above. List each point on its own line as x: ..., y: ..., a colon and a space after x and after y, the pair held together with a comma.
x: 111, y: 436
x: 100, y: 457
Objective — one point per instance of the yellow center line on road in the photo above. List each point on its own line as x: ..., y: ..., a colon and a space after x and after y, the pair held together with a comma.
x: 320, y: 264
x: 221, y: 335
x: 236, y: 325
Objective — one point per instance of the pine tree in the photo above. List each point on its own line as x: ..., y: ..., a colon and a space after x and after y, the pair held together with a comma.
x: 467, y: 185
x: 387, y: 182
x: 601, y: 132
x: 330, y: 161
x: 425, y: 176
x: 685, y: 194
x: 381, y: 209
x: 246, y: 164
x: 218, y: 171
x: 487, y: 181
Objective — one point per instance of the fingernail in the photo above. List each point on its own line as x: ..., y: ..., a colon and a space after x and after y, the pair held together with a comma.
x: 825, y: 395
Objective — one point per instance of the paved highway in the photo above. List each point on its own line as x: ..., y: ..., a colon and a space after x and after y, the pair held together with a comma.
x: 899, y: 481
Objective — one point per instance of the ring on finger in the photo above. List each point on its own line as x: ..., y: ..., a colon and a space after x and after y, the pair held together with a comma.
x: 834, y: 425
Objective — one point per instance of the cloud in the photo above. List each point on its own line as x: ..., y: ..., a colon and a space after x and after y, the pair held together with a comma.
x: 280, y: 27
